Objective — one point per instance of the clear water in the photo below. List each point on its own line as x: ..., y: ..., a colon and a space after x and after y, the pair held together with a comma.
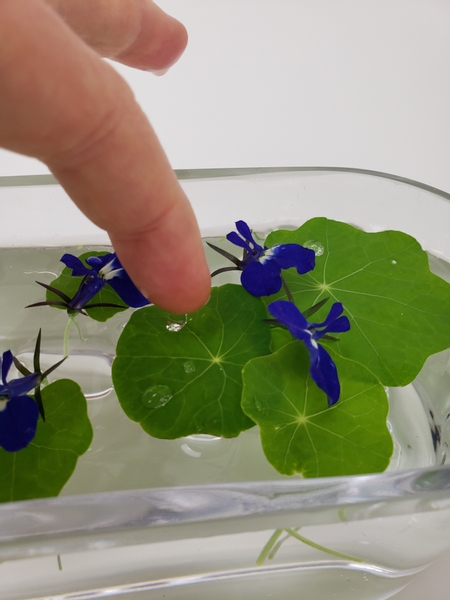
x: 122, y: 456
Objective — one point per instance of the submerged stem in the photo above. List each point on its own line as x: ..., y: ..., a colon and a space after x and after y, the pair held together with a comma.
x: 268, y: 547
x: 274, y: 544
x: 67, y: 331
x: 308, y: 542
x: 66, y: 336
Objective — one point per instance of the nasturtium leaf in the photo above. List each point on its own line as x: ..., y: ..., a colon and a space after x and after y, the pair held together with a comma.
x: 69, y: 285
x: 280, y: 337
x: 399, y: 311
x: 42, y: 468
x: 299, y: 433
x: 180, y: 383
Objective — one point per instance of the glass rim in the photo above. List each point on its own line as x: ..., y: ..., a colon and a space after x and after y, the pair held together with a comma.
x: 74, y: 523
x: 219, y: 172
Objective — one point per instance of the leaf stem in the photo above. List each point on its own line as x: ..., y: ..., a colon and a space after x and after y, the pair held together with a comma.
x: 279, y: 544
x: 308, y: 542
x: 66, y: 334
x: 268, y: 547
x: 66, y: 337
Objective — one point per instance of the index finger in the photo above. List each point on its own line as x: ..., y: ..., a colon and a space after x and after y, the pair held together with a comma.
x: 62, y: 104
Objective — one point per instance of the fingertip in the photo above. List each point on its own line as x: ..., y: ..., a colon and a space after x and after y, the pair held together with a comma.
x: 182, y: 296
x: 160, y: 43
x: 169, y: 268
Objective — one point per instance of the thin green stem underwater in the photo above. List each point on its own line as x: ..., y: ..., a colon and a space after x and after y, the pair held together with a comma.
x: 274, y: 543
x: 268, y: 547
x: 66, y: 336
x: 67, y: 332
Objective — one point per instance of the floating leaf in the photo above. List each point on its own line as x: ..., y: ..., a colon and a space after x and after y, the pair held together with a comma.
x: 280, y: 337
x: 180, y: 383
x: 46, y: 464
x: 69, y: 285
x: 299, y: 433
x: 399, y: 311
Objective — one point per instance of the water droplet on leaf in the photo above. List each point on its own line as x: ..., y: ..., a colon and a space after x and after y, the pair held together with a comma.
x: 316, y: 246
x: 156, y: 396
x: 189, y: 366
x: 176, y: 323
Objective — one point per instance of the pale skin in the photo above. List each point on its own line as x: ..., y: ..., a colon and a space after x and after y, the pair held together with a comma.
x: 61, y: 103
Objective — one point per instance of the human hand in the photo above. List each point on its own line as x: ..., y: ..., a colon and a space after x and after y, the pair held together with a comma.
x: 61, y: 103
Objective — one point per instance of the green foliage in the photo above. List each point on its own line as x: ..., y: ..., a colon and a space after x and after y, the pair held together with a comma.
x: 46, y: 464
x: 69, y: 285
x: 180, y: 383
x: 299, y: 433
x: 399, y: 311
x: 226, y: 369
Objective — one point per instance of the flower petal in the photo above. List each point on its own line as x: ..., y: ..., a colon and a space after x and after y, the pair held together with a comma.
x: 245, y: 231
x: 18, y: 422
x: 74, y: 263
x: 335, y: 311
x: 105, y: 263
x: 7, y: 361
x: 294, y: 255
x: 128, y: 292
x: 235, y: 239
x: 333, y: 323
x: 248, y: 243
x: 290, y: 316
x: 89, y: 287
x: 23, y: 385
x: 324, y: 373
x: 261, y: 279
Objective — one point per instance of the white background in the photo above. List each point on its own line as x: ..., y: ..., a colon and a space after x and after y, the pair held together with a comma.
x: 352, y: 83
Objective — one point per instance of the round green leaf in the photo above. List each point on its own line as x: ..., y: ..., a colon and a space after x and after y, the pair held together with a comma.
x: 180, y: 383
x: 46, y: 464
x: 399, y: 311
x: 299, y: 433
x: 69, y: 285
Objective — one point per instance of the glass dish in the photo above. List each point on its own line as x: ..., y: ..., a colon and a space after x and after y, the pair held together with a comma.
x: 361, y: 537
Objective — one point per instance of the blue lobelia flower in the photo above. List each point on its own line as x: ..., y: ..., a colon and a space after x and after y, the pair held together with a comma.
x: 18, y: 412
x: 101, y: 271
x: 261, y: 266
x: 322, y: 368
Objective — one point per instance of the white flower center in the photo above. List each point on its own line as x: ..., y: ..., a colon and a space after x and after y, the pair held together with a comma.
x: 107, y: 272
x: 267, y: 255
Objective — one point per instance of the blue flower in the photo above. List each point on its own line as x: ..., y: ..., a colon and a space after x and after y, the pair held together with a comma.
x: 261, y: 266
x: 322, y: 368
x: 18, y: 412
x: 102, y: 270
